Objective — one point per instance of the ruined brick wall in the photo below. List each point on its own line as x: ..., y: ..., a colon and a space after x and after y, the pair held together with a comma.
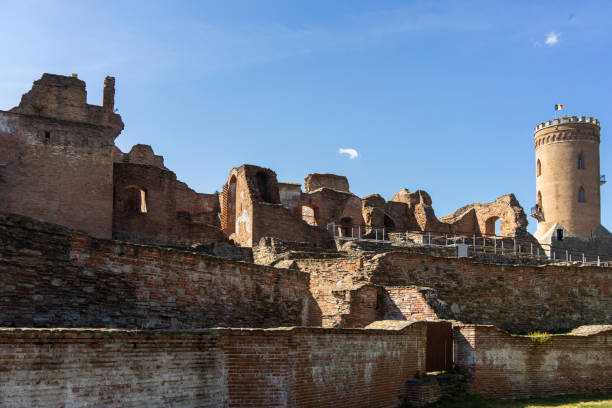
x: 152, y: 207
x: 56, y: 161
x: 274, y: 220
x: 316, y: 181
x: 411, y: 303
x: 132, y: 222
x: 110, y: 368
x: 291, y: 197
x: 514, y: 366
x: 337, y: 207
x: 54, y: 277
x: 517, y: 298
x: 300, y: 367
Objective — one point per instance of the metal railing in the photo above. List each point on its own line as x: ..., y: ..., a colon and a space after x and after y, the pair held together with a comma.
x: 476, y: 243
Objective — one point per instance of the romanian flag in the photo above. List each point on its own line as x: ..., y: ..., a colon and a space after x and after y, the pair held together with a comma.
x: 558, y: 107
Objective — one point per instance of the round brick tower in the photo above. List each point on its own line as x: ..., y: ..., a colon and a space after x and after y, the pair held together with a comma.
x: 567, y: 177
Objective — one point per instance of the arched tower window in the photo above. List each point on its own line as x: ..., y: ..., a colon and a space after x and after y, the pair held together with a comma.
x: 539, y: 200
x: 539, y: 169
x: 581, y: 195
x: 580, y: 162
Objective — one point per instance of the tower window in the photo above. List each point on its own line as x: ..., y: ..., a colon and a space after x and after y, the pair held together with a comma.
x: 539, y: 169
x: 580, y: 162
x: 581, y: 195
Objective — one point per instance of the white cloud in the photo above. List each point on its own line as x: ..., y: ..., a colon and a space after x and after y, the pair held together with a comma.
x: 352, y: 153
x: 552, y: 38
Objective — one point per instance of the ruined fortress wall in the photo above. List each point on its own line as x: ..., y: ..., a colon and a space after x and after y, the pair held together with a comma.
x: 505, y: 366
x: 54, y: 277
x: 300, y: 367
x: 272, y: 220
x: 517, y: 298
x: 152, y: 226
x: 57, y: 170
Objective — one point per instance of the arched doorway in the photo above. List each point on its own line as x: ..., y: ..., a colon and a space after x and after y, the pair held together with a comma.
x: 346, y: 226
x: 310, y: 215
x: 389, y: 223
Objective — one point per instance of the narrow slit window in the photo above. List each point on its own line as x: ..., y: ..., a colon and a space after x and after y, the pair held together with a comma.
x: 580, y: 162
x: 539, y: 168
x: 581, y: 195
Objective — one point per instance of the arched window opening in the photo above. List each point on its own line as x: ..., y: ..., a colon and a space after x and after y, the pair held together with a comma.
x: 539, y: 201
x: 262, y: 185
x: 389, y: 224
x: 309, y: 215
x: 135, y: 200
x: 346, y: 226
x: 581, y: 195
x: 539, y: 168
x: 231, y: 206
x: 492, y: 226
x: 580, y: 162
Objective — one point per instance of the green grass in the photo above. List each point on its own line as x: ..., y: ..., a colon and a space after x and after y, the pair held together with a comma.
x: 539, y: 337
x: 563, y: 401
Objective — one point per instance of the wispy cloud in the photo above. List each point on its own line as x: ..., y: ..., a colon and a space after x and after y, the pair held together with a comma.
x: 352, y: 153
x: 552, y: 38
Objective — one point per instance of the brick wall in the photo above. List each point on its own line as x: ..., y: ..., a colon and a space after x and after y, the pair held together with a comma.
x: 274, y: 220
x: 301, y: 367
x: 411, y: 303
x: 54, y: 277
x: 58, y: 171
x: 110, y: 368
x: 517, y: 298
x: 505, y: 366
x: 56, y: 162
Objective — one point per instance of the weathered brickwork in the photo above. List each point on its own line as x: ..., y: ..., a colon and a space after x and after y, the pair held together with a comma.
x: 518, y: 298
x: 300, y: 367
x: 54, y: 277
x: 152, y: 207
x: 501, y: 365
x: 56, y: 163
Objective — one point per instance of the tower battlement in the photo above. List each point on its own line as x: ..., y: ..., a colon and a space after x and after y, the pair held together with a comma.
x: 566, y: 119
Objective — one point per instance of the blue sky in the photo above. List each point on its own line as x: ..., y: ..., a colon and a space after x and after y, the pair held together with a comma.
x: 441, y: 96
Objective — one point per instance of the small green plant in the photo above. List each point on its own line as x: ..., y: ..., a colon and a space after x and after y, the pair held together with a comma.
x: 38, y: 107
x: 417, y: 375
x: 539, y: 337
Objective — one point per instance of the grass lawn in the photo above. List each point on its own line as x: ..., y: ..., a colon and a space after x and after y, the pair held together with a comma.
x: 582, y: 401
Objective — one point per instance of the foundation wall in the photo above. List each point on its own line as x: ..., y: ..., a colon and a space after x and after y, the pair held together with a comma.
x: 505, y: 366
x: 301, y: 367
x: 517, y: 298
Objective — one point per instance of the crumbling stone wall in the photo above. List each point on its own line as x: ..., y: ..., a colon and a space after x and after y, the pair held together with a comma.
x: 252, y: 209
x: 505, y: 366
x: 152, y: 206
x: 56, y: 160
x: 513, y: 221
x: 55, y: 277
x: 518, y: 298
x: 316, y: 181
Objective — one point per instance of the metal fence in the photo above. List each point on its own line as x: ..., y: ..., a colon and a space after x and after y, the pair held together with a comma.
x: 473, y: 243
